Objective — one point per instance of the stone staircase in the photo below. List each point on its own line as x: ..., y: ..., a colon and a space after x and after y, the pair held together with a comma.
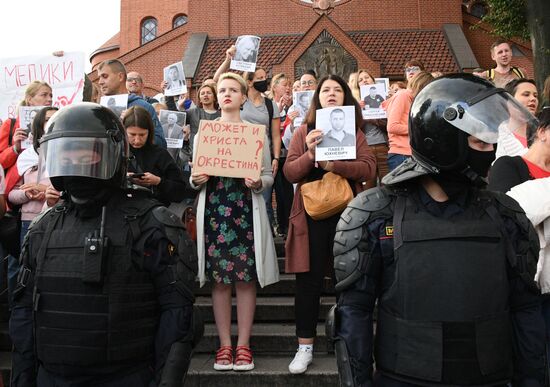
x: 273, y: 341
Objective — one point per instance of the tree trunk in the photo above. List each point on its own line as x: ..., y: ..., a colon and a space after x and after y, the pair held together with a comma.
x: 538, y: 20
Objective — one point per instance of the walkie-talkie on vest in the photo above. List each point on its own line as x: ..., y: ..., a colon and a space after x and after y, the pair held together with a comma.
x: 95, y: 249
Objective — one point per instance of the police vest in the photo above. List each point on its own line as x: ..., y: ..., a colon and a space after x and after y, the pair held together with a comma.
x: 78, y: 323
x: 444, y: 316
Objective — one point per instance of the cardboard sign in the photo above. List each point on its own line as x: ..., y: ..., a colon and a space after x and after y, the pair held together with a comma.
x: 65, y: 74
x: 231, y: 149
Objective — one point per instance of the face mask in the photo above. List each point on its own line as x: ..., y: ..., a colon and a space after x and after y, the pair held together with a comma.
x: 83, y: 188
x: 261, y: 86
x: 452, y: 183
x: 480, y: 161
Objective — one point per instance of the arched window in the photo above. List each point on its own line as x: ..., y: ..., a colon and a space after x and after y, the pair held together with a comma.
x: 148, y: 29
x: 179, y: 21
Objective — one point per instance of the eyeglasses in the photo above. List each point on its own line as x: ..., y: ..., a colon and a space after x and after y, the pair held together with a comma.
x: 307, y: 83
x: 137, y: 80
x: 412, y: 69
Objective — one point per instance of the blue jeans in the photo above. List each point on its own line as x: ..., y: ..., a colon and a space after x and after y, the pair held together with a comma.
x: 395, y: 159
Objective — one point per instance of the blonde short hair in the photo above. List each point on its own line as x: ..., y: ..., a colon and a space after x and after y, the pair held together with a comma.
x: 32, y: 89
x: 235, y: 77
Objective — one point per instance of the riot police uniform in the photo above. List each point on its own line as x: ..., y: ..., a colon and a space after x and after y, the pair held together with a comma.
x: 453, y: 280
x: 105, y: 290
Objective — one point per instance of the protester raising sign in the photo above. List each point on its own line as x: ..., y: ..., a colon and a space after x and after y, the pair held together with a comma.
x: 65, y: 74
x: 229, y: 149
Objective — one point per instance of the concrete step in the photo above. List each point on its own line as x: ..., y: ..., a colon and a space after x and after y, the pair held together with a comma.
x: 273, y: 338
x: 268, y: 309
x: 269, y: 371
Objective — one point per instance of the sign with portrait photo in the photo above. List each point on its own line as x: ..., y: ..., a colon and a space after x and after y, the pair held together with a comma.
x: 230, y: 149
x: 373, y: 96
x: 301, y: 101
x: 175, y: 79
x: 117, y: 103
x: 172, y: 125
x: 246, y: 56
x: 26, y: 116
x: 338, y: 125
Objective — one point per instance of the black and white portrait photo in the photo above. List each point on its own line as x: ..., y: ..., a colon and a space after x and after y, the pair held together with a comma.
x: 301, y: 102
x: 338, y: 125
x: 373, y: 96
x: 26, y: 117
x: 173, y: 124
x: 117, y: 103
x: 175, y: 79
x: 247, y: 53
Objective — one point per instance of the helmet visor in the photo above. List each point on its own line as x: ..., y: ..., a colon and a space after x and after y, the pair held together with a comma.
x: 486, y: 118
x: 80, y: 156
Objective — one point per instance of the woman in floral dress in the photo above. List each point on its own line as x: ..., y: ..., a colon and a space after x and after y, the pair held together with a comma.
x: 235, y: 245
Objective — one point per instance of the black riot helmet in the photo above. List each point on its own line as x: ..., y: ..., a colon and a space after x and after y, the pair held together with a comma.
x: 451, y: 108
x: 85, y: 141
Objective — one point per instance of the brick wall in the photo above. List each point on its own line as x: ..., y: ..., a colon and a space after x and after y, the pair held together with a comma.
x: 132, y: 12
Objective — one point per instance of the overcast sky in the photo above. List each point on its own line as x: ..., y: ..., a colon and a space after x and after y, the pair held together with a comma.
x: 41, y: 27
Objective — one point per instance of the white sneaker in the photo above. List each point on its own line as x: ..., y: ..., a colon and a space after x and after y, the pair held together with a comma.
x: 300, y: 362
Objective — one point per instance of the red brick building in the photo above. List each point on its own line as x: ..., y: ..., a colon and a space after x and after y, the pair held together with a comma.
x: 327, y: 35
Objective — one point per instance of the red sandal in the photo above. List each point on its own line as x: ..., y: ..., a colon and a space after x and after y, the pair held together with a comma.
x: 224, y: 354
x: 243, y: 355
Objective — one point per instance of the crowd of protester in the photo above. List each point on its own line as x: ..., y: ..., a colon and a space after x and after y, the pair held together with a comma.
x: 241, y: 211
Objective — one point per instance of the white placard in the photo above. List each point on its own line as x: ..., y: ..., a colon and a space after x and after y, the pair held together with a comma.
x: 301, y: 101
x: 248, y: 47
x: 26, y: 116
x: 117, y: 103
x: 338, y: 126
x: 175, y: 79
x: 65, y: 74
x: 373, y: 96
x: 172, y: 125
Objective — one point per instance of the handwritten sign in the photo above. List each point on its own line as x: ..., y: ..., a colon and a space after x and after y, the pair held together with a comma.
x: 64, y: 74
x: 229, y: 149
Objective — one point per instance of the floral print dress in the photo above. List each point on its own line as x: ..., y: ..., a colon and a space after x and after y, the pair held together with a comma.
x: 228, y: 231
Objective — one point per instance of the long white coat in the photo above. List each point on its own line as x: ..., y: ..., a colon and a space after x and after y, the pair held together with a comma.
x: 534, y: 197
x: 267, y: 268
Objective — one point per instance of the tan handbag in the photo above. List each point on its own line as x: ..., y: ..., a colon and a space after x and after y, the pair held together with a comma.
x: 326, y: 197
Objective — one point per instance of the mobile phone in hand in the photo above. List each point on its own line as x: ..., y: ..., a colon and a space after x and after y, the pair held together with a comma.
x: 137, y: 175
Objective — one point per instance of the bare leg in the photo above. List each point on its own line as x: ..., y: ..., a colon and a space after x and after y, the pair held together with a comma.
x: 221, y: 304
x: 246, y: 306
x: 302, y: 340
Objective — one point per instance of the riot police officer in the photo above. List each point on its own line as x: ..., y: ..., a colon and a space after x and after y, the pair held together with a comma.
x: 451, y: 265
x: 105, y: 290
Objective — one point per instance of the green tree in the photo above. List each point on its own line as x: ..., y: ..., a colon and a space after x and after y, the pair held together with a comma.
x: 528, y: 20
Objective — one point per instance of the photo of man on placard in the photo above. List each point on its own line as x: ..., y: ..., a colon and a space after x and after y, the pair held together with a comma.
x: 175, y: 79
x: 373, y: 100
x: 338, y: 135
x: 247, y: 48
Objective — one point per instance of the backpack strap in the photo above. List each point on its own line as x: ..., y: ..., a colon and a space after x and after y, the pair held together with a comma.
x: 12, y: 125
x: 518, y: 72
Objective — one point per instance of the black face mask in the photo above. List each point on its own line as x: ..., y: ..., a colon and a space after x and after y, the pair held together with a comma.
x: 83, y: 190
x: 480, y: 161
x: 261, y: 86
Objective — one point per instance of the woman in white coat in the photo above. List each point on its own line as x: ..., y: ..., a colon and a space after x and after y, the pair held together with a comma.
x: 234, y: 240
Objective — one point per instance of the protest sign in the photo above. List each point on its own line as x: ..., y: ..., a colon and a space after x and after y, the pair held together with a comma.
x: 373, y: 96
x: 65, y: 74
x: 175, y: 79
x: 301, y: 101
x: 117, y: 103
x: 338, y: 126
x: 172, y: 125
x: 229, y: 149
x: 26, y: 117
x: 247, y: 53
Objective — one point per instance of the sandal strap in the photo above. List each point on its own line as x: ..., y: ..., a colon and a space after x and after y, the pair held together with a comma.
x: 224, y: 353
x: 243, y: 353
